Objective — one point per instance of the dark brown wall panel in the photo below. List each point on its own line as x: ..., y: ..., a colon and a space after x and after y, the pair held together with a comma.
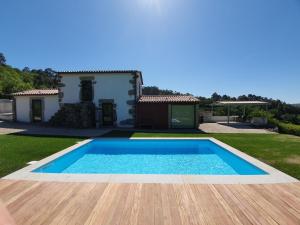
x: 152, y: 115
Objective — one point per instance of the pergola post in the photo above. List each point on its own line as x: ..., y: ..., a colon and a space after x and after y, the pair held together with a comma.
x: 244, y: 104
x: 228, y: 113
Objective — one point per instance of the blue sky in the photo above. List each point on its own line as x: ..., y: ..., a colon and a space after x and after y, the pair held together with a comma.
x: 232, y: 47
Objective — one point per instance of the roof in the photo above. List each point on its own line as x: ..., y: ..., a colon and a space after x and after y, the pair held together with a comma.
x: 240, y: 103
x: 102, y: 71
x: 168, y: 99
x: 37, y: 92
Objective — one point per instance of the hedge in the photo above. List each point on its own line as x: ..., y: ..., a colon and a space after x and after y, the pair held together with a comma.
x: 285, y: 128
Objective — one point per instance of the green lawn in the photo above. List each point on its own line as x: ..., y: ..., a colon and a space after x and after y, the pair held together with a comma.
x: 16, y: 151
x: 280, y: 151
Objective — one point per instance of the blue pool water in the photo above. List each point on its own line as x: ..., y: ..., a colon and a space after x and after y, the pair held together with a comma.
x: 121, y: 156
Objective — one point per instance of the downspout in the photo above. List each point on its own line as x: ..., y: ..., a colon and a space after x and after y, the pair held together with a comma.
x: 14, y: 109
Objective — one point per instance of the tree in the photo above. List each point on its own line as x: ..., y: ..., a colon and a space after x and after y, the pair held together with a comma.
x: 153, y: 90
x: 2, y: 59
x: 26, y: 69
x: 216, y: 97
x: 226, y: 98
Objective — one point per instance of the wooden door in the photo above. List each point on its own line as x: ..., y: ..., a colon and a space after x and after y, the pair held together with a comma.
x: 107, y: 114
x: 36, y: 109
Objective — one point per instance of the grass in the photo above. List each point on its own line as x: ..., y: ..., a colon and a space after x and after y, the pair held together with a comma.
x: 17, y: 150
x: 278, y: 150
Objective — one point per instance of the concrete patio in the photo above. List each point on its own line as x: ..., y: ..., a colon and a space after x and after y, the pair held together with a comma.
x: 232, y: 127
x: 35, y: 129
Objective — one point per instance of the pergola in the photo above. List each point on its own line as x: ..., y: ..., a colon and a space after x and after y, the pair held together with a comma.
x: 228, y: 104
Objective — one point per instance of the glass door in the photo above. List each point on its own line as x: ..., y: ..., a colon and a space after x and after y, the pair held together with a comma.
x: 183, y: 116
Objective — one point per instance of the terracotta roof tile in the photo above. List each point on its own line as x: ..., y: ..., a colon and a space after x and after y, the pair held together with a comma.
x: 168, y: 99
x: 37, y: 92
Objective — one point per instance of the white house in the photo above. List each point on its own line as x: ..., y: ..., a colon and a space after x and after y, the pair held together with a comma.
x: 117, y: 97
x: 35, y: 105
x: 114, y: 93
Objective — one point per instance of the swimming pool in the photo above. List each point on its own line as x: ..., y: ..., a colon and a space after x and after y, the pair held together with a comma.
x: 134, y: 156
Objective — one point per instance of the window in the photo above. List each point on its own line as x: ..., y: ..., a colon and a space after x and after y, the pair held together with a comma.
x: 86, y: 90
x: 183, y: 116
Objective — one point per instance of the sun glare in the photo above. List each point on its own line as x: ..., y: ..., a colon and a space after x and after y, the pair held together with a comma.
x: 156, y: 4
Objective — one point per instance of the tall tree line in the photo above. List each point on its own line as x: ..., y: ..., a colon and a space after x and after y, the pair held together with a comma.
x: 14, y: 80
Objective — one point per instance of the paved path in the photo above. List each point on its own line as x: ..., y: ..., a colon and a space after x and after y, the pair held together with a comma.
x: 20, y: 128
x: 231, y: 128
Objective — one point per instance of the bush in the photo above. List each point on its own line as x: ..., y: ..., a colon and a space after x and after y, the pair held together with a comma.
x: 289, y: 128
x: 285, y: 128
x: 260, y: 113
x: 79, y: 115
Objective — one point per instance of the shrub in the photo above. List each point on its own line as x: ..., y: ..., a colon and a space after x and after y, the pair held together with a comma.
x: 289, y: 128
x: 285, y: 128
x: 260, y: 113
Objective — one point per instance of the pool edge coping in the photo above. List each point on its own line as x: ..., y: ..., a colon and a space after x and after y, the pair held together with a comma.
x: 273, y: 176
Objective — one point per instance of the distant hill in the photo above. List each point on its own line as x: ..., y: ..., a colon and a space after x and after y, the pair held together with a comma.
x: 296, y: 105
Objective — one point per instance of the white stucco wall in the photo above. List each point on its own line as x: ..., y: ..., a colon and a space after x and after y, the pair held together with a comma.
x: 107, y: 86
x: 51, y: 106
x: 23, y: 110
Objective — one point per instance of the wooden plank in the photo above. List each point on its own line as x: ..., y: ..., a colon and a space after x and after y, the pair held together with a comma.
x: 251, y: 209
x: 77, y: 205
x: 171, y: 212
x: 280, y: 215
x: 146, y: 209
x: 234, y: 203
x: 214, y: 212
x: 36, y: 204
x: 106, y: 205
x: 189, y: 212
x: 118, y: 206
x: 5, y: 183
x: 132, y: 204
x: 258, y: 210
x: 229, y: 211
x: 282, y: 200
x: 57, y: 202
x: 46, y: 203
x: 15, y: 188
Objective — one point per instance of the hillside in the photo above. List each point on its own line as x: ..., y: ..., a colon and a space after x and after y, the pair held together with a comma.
x: 14, y: 80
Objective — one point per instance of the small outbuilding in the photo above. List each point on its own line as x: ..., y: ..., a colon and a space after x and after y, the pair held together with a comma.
x: 164, y: 112
x: 37, y: 105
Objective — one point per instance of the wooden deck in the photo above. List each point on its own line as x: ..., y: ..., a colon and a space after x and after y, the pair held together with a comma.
x: 56, y: 203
